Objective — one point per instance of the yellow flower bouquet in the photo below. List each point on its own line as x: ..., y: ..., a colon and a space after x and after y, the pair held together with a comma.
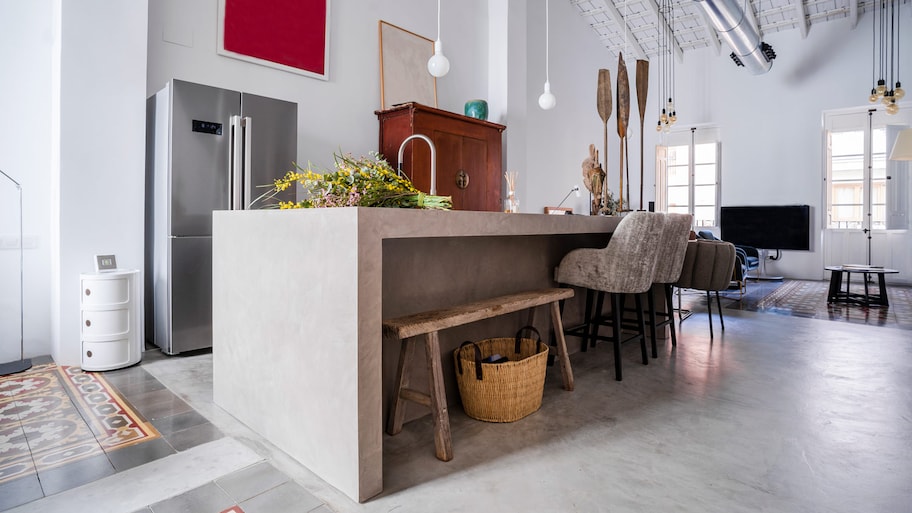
x: 361, y: 182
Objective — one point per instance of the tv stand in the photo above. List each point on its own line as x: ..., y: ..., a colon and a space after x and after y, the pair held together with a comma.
x: 761, y: 271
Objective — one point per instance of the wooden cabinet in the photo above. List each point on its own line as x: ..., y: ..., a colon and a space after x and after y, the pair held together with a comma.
x: 468, y: 153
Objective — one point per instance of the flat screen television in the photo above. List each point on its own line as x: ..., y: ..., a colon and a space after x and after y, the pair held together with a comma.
x: 767, y: 227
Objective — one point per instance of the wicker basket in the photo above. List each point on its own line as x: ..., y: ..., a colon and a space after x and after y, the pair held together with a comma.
x: 502, y: 392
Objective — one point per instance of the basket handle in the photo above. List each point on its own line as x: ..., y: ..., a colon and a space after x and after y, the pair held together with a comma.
x: 519, y: 338
x: 478, y: 373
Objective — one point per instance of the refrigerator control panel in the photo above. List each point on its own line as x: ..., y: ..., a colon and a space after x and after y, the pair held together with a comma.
x: 207, y: 127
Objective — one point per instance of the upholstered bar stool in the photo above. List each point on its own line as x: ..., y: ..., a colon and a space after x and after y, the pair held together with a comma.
x: 708, y: 266
x: 625, y: 266
x: 669, y: 262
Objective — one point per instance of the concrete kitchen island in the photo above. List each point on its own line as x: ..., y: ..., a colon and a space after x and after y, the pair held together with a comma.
x: 299, y: 297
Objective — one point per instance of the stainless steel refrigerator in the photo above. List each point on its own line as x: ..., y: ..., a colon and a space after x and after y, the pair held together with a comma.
x: 207, y: 149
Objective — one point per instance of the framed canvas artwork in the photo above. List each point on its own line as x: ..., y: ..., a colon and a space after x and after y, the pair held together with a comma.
x: 403, y: 67
x: 291, y: 35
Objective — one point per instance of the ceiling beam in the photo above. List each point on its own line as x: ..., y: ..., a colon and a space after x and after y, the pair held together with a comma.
x: 853, y: 13
x: 612, y: 11
x: 802, y: 21
x: 660, y: 19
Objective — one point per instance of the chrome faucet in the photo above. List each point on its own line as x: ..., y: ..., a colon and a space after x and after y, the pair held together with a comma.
x: 426, y: 139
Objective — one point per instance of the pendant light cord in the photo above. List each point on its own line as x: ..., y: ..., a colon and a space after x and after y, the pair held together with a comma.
x: 547, y: 40
x: 438, y: 20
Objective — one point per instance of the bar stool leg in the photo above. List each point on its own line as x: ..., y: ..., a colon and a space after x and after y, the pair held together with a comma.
x: 641, y: 326
x: 709, y: 312
x: 719, y: 304
x: 594, y: 320
x: 650, y: 304
x: 617, y: 304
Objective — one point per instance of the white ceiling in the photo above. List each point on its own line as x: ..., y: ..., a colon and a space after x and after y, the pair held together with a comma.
x: 631, y: 25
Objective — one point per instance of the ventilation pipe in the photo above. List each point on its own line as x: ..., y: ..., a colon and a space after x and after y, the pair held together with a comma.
x: 733, y: 27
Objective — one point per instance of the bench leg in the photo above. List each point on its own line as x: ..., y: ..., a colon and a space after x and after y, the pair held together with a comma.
x: 566, y: 371
x: 441, y: 417
x: 397, y: 410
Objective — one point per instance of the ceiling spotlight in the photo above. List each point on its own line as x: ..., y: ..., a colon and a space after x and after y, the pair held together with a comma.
x: 767, y: 51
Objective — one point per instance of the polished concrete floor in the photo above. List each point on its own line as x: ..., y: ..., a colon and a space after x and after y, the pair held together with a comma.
x: 776, y: 413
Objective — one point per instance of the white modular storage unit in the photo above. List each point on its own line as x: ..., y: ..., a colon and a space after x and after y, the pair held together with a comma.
x: 111, y: 332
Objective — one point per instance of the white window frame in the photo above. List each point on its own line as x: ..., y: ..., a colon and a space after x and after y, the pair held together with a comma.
x: 690, y: 137
x: 896, y: 204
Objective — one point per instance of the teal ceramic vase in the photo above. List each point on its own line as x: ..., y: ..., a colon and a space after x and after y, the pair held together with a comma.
x: 477, y: 109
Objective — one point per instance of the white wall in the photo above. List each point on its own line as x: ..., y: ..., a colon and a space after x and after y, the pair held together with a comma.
x: 102, y: 148
x: 26, y: 40
x: 558, y: 139
x: 75, y: 137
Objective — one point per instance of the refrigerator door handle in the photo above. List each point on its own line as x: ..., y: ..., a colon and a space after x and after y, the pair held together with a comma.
x: 247, y: 190
x: 235, y: 163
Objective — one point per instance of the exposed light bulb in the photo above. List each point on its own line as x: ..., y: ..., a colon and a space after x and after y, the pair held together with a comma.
x: 659, y: 126
x: 889, y: 98
x: 438, y: 65
x: 892, y: 108
x: 881, y: 87
x: 673, y: 118
x: 899, y: 93
x: 873, y: 97
x: 547, y: 100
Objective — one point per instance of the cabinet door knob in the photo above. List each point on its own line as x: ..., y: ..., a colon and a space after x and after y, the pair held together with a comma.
x: 88, y: 292
x: 88, y: 322
x: 462, y: 179
x: 89, y: 354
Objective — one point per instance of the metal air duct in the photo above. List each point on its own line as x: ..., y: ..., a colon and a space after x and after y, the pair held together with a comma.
x: 730, y: 21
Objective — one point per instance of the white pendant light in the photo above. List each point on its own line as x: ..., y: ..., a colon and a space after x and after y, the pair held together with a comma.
x: 547, y: 101
x: 438, y: 65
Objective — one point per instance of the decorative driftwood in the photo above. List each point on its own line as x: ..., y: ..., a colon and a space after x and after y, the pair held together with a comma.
x: 642, y: 85
x: 603, y: 102
x: 623, y: 117
x: 594, y: 179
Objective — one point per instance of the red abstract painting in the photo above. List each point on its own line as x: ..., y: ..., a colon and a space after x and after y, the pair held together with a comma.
x: 285, y: 32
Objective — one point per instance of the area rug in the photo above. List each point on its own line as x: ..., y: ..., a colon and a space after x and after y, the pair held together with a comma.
x: 804, y: 298
x: 52, y: 415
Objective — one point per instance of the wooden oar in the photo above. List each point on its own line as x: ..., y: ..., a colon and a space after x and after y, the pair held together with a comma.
x: 603, y: 102
x: 623, y: 106
x: 642, y: 84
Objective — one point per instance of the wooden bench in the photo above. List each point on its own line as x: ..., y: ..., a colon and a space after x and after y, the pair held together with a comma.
x: 410, y: 327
